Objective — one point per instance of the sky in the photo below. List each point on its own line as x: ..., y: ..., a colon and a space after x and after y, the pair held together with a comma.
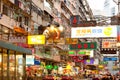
x: 96, y: 4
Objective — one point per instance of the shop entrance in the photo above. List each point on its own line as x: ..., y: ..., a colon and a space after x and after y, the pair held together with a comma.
x: 12, y: 62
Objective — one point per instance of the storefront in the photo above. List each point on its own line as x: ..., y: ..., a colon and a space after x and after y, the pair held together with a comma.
x: 12, y: 61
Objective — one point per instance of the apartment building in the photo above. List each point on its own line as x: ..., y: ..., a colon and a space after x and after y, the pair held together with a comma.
x: 15, y: 18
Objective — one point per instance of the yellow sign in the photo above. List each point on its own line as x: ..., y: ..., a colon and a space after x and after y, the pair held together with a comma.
x: 108, y: 31
x: 36, y: 39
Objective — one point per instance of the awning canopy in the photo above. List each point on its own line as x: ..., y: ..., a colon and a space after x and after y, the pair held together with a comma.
x: 13, y: 47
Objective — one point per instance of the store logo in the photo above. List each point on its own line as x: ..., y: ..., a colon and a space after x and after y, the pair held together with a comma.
x: 108, y: 31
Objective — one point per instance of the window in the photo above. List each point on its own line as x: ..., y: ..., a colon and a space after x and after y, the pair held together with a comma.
x: 26, y: 21
x: 5, y: 10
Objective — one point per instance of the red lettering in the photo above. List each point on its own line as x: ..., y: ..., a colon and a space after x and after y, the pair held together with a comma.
x: 85, y: 45
x: 74, y: 20
x: 79, y: 46
x: 92, y: 45
x: 73, y: 46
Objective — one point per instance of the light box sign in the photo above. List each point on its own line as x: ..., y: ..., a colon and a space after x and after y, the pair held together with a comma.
x: 109, y: 59
x: 92, y: 32
x: 72, y: 53
x: 103, y: 63
x: 36, y: 39
x: 118, y: 33
x: 36, y: 62
x: 85, y: 52
x: 109, y: 43
x: 17, y: 39
x: 71, y: 41
x: 29, y: 60
x: 83, y: 45
x: 89, y: 61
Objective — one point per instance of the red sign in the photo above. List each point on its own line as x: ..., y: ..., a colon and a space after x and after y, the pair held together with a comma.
x: 83, y: 45
x: 75, y: 22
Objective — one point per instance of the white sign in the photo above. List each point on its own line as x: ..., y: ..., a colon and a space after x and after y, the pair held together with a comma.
x: 109, y: 43
x: 92, y: 32
x: 17, y: 39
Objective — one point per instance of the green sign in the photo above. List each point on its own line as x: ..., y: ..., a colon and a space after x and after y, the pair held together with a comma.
x: 55, y: 67
x: 83, y: 45
x: 103, y: 63
x: 82, y: 52
x: 71, y: 52
x: 49, y: 67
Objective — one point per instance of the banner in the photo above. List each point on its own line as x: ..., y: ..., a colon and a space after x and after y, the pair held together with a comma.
x: 94, y: 32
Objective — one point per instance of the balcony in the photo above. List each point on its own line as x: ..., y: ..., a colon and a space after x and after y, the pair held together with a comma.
x: 23, y: 7
x: 66, y: 7
x: 47, y: 7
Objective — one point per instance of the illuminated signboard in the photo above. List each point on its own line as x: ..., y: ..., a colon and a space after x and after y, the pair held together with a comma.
x: 83, y: 45
x: 108, y: 51
x: 63, y: 52
x: 17, y: 39
x: 103, y: 63
x: 36, y: 39
x: 75, y: 22
x: 109, y: 59
x: 72, y: 53
x: 89, y: 61
x: 118, y: 33
x: 71, y: 40
x: 109, y: 43
x: 92, y: 32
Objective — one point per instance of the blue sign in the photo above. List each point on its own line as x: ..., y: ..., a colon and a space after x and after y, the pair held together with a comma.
x: 36, y: 62
x: 110, y: 59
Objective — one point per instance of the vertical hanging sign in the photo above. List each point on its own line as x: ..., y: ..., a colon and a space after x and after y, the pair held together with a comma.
x: 118, y: 33
x: 74, y: 20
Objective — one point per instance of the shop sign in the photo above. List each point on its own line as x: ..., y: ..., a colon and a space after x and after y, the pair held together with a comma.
x: 118, y: 34
x: 109, y: 43
x: 25, y: 45
x: 20, y: 30
x: 72, y: 53
x: 77, y: 58
x: 71, y: 41
x: 63, y: 52
x: 94, y: 32
x: 17, y: 39
x: 108, y: 51
x: 36, y: 62
x: 83, y: 45
x: 89, y: 61
x: 36, y: 39
x: 75, y: 20
x: 103, y: 63
x: 29, y: 60
x: 110, y: 59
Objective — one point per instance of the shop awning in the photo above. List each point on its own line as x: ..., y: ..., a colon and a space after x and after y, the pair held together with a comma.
x: 13, y: 47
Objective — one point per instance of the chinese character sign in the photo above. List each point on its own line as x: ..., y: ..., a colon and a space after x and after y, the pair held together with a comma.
x: 94, y: 32
x: 74, y: 20
x: 83, y: 45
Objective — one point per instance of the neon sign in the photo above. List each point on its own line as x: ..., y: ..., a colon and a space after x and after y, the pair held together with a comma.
x: 83, y: 45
